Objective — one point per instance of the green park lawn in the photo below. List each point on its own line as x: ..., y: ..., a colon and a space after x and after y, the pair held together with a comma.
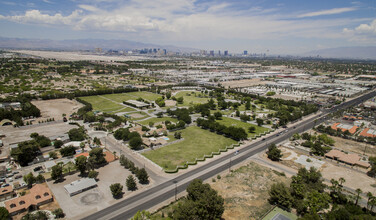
x: 102, y: 104
x: 121, y: 97
x: 190, y: 99
x: 236, y: 123
x: 197, y: 142
x: 156, y: 120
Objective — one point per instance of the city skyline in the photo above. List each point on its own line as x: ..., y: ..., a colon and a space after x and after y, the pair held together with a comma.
x: 287, y: 27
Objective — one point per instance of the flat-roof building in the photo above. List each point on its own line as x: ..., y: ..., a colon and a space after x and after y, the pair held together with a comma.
x: 80, y: 186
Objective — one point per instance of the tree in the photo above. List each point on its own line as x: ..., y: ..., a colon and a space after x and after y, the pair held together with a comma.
x: 280, y: 195
x: 40, y: 179
x: 81, y: 164
x: 53, y: 155
x: 141, y: 215
x: 93, y: 174
x: 370, y: 196
x: 358, y: 192
x: 218, y: 115
x: 135, y: 143
x: 97, y: 157
x: 248, y: 105
x: 316, y: 201
x: 76, y: 134
x: 58, y: 213
x: 68, y: 151
x: 57, y: 172
x: 252, y: 129
x: 29, y: 179
x: 26, y: 152
x: 131, y: 183
x: 202, y: 202
x: 177, y: 135
x: 168, y: 95
x: 274, y: 153
x: 259, y: 121
x: 116, y: 190
x: 58, y: 143
x: 4, y: 213
x: 142, y: 176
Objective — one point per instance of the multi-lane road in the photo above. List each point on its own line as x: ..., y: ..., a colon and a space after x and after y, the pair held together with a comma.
x: 159, y: 193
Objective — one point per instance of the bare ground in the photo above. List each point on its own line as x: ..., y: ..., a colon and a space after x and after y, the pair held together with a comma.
x: 56, y: 108
x: 245, y: 191
x: 354, y: 146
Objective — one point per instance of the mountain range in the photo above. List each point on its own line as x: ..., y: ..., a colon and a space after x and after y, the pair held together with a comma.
x: 82, y: 44
x: 368, y: 53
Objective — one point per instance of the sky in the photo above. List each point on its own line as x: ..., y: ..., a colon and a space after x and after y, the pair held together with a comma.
x: 259, y: 26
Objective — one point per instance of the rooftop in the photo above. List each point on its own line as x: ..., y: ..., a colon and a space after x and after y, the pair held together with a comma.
x: 80, y: 185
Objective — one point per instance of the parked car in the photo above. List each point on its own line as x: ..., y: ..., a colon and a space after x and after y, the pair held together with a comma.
x: 5, y: 185
x: 18, y: 176
x: 37, y: 168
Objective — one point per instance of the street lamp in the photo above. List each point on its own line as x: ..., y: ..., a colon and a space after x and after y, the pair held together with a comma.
x: 176, y: 188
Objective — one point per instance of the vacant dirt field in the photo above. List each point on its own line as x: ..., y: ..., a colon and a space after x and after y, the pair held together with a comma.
x: 56, y: 108
x: 353, y: 178
x: 354, y: 146
x: 245, y: 191
x: 243, y: 83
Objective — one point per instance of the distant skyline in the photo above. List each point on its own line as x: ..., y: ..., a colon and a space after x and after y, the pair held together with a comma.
x: 260, y: 26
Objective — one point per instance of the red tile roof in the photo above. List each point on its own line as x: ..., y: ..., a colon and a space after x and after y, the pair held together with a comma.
x: 38, y: 194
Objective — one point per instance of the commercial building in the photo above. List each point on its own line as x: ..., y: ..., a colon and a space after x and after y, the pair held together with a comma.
x: 80, y: 186
x: 6, y: 193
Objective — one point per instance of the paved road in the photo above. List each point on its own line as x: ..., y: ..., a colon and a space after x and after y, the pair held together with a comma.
x: 153, y: 196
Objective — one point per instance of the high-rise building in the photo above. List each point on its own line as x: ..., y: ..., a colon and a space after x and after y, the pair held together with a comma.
x: 98, y: 50
x: 226, y: 53
x: 245, y: 52
x: 203, y: 52
x: 219, y: 53
x: 212, y: 53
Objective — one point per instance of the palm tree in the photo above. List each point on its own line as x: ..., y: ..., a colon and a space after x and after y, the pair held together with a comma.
x: 369, y: 195
x: 358, y: 191
x: 341, y: 181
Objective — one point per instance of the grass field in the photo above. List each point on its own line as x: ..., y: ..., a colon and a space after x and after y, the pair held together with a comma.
x: 121, y: 97
x: 190, y: 99
x: 236, y: 123
x: 155, y: 120
x: 102, y: 104
x: 196, y: 143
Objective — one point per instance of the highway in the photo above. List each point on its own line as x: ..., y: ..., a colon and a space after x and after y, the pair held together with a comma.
x: 155, y: 195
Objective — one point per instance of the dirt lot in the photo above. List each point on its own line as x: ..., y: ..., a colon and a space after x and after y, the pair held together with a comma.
x: 353, y: 178
x: 245, y: 191
x: 56, y: 108
x: 243, y: 83
x: 15, y: 135
x: 354, y: 146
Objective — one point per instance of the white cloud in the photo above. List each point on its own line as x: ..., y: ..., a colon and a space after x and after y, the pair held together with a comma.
x: 36, y: 17
x: 364, y: 33
x: 167, y: 21
x: 88, y: 8
x: 327, y: 12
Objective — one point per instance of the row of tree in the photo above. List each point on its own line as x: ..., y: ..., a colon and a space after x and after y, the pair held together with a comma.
x: 230, y: 131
